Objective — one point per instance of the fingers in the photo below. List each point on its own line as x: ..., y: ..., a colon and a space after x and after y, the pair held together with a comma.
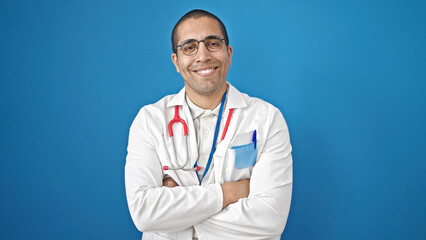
x: 169, y: 182
x: 232, y: 191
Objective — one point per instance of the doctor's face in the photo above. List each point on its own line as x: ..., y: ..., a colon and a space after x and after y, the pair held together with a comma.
x: 205, y: 71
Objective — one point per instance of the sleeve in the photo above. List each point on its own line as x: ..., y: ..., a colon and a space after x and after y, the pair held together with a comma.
x: 264, y: 213
x: 154, y: 208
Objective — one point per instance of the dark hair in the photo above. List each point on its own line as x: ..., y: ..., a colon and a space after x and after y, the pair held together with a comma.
x: 197, y: 13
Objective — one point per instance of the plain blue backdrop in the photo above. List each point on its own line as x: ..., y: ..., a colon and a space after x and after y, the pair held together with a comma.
x: 349, y: 77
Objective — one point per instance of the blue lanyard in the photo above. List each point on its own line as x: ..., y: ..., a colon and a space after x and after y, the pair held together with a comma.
x: 216, y: 132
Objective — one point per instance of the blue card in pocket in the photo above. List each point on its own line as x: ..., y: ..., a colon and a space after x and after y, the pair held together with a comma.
x: 245, y: 155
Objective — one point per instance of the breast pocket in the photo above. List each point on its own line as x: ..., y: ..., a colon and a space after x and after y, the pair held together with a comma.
x: 245, y: 149
x: 245, y: 155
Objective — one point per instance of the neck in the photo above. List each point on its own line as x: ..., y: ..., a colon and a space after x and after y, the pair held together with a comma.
x: 206, y: 101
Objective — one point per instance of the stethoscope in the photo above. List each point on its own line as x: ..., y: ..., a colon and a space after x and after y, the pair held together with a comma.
x: 178, y: 119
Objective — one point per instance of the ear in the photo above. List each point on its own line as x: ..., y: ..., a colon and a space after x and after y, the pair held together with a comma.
x: 230, y: 54
x: 175, y: 62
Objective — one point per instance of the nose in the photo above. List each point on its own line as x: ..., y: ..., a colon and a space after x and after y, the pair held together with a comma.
x: 203, y: 54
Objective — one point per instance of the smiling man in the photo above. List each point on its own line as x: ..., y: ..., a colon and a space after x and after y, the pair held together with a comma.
x: 209, y: 162
x: 203, y: 69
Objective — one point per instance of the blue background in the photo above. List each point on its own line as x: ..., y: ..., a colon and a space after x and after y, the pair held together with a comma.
x: 349, y: 76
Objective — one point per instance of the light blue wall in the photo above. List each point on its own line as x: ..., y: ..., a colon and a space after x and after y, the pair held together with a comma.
x: 349, y: 76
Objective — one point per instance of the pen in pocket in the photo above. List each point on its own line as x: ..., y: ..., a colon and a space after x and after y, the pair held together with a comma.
x: 254, y: 139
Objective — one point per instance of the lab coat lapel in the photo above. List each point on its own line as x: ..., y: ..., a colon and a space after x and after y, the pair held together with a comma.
x: 235, y: 101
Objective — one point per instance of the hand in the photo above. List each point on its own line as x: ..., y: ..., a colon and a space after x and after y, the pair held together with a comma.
x: 169, y: 182
x: 232, y: 191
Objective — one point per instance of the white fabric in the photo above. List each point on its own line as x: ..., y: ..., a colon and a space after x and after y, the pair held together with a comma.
x: 170, y: 213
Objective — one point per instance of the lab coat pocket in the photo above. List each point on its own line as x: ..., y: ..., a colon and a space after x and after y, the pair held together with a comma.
x: 245, y: 155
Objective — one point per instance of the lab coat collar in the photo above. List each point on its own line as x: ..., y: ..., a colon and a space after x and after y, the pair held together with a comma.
x: 178, y: 99
x: 235, y: 98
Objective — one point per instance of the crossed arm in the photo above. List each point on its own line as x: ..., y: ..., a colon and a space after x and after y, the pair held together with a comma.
x: 155, y: 208
x: 232, y: 191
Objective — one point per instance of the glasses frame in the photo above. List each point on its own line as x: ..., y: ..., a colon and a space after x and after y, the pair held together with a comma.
x: 198, y: 44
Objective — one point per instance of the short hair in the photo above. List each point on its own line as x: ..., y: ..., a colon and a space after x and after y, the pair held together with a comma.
x: 197, y: 13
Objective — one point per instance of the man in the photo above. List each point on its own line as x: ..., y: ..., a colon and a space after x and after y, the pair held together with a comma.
x: 231, y: 176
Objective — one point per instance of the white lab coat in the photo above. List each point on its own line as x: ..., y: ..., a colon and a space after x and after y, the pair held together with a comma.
x: 171, y: 213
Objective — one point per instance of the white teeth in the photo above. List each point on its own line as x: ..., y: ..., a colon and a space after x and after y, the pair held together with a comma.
x: 206, y: 71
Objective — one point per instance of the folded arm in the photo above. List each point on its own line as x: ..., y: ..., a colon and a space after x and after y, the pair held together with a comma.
x: 232, y: 191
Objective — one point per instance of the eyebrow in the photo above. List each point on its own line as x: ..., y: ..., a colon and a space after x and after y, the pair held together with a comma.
x: 208, y: 37
x: 187, y: 41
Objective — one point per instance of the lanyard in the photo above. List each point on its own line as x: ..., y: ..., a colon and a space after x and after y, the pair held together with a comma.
x: 216, y: 132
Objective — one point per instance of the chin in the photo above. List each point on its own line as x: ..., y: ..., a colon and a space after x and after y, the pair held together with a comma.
x: 206, y: 92
x: 206, y: 88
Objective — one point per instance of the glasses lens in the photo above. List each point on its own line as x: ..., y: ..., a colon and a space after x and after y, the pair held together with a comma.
x: 190, y: 48
x: 213, y: 44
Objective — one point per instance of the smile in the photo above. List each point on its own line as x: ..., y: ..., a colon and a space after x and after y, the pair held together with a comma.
x: 206, y: 71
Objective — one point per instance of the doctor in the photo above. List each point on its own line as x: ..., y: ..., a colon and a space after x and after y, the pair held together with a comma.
x: 243, y: 187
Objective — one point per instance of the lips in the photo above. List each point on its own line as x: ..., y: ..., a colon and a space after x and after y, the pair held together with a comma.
x: 205, y: 71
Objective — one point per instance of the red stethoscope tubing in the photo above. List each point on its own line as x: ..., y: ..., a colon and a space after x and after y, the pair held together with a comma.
x: 228, y: 120
x: 177, y: 118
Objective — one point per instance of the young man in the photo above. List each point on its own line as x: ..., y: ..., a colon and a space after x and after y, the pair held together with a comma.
x: 230, y: 177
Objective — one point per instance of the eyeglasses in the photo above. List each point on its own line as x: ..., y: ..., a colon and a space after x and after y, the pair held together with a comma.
x: 190, y: 46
